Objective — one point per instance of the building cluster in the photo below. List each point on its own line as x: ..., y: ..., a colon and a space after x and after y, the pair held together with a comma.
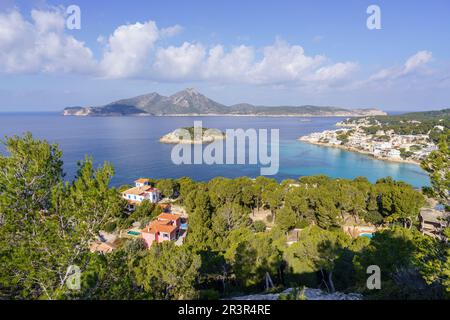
x: 383, y: 144
x: 165, y: 227
x: 142, y: 190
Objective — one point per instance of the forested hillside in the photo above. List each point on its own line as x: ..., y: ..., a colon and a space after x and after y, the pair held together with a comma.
x: 47, y: 223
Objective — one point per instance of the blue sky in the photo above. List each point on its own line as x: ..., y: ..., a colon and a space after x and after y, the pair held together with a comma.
x: 261, y: 52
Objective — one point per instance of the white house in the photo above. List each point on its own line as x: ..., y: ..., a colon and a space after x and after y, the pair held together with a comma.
x: 394, y: 154
x: 142, y: 191
x: 142, y: 182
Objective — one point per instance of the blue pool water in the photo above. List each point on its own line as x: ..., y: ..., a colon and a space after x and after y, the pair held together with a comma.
x: 184, y: 226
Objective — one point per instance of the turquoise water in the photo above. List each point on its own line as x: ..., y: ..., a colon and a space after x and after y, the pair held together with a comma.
x: 133, y: 233
x: 184, y: 226
x: 131, y: 145
x: 367, y: 235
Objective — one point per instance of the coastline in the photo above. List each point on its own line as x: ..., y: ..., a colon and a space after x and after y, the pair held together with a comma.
x: 355, y: 150
x: 219, y: 115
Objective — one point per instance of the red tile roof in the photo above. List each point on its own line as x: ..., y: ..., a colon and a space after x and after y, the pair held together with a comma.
x: 168, y: 216
x: 160, y: 226
x: 99, y: 246
x: 140, y: 190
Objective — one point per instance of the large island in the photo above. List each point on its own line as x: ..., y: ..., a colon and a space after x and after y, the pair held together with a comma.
x: 189, y: 102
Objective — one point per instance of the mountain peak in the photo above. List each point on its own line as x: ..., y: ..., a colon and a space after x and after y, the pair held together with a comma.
x: 191, y: 98
x: 190, y: 92
x: 190, y: 101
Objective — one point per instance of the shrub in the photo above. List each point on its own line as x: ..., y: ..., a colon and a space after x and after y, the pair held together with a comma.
x: 259, y: 226
x: 110, y: 226
x: 209, y: 294
x: 373, y: 217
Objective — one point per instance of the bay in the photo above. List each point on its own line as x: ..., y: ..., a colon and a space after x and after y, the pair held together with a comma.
x: 132, y: 145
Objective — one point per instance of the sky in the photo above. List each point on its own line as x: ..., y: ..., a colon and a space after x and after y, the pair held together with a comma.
x: 260, y: 52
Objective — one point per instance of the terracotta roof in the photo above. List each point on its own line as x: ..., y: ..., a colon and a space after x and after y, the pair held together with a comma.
x: 139, y: 190
x: 160, y: 226
x: 99, y: 246
x: 168, y: 216
x: 142, y: 180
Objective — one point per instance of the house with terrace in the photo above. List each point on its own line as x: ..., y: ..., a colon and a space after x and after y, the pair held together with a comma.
x: 142, y: 190
x: 166, y: 227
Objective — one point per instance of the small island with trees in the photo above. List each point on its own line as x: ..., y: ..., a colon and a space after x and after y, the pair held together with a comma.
x: 192, y: 135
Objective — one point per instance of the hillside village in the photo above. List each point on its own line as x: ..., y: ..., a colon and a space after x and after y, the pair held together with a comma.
x: 172, y: 223
x: 382, y: 144
x: 167, y: 226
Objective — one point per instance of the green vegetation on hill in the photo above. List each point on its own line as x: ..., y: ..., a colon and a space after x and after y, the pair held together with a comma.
x: 46, y: 225
x: 343, y: 136
x: 192, y: 132
x: 412, y: 123
x: 437, y: 165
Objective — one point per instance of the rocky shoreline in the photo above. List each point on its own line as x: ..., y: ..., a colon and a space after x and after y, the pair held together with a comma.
x: 352, y: 149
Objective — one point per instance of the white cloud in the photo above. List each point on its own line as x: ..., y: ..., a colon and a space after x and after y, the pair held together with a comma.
x: 338, y: 71
x: 128, y: 49
x: 280, y: 63
x: 171, y: 31
x: 133, y: 51
x: 416, y: 61
x: 48, y: 21
x: 228, y: 66
x: 40, y: 45
x: 179, y: 63
x: 413, y: 64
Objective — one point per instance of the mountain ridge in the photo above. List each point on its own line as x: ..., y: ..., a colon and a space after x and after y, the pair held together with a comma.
x: 191, y: 102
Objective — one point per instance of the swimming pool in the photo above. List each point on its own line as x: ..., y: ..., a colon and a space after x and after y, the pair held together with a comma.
x: 133, y: 233
x: 367, y: 235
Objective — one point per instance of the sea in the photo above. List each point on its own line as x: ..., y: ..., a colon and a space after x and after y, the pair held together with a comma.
x: 131, y: 145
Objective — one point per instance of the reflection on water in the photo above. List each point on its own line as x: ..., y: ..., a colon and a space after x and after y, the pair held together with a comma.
x: 131, y: 145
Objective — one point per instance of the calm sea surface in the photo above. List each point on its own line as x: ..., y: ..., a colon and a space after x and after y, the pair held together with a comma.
x: 131, y: 145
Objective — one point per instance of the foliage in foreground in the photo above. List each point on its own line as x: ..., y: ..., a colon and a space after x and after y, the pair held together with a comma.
x: 46, y: 225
